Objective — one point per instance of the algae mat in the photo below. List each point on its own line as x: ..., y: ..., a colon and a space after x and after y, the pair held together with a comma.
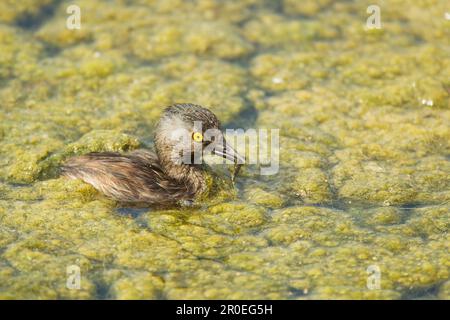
x: 364, y: 179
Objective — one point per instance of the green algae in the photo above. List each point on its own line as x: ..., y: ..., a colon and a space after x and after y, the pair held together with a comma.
x: 364, y: 167
x: 262, y: 197
x: 24, y: 11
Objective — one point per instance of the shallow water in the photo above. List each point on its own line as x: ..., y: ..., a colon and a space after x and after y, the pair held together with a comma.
x: 364, y: 176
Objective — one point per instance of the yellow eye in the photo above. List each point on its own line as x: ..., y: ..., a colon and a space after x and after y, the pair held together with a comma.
x: 197, y: 136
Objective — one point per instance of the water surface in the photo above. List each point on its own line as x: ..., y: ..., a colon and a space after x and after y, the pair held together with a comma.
x: 364, y: 162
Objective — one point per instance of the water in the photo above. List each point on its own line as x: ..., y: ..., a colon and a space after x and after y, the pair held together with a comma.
x: 364, y: 149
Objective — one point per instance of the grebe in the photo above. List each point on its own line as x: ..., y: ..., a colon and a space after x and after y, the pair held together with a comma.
x: 164, y: 177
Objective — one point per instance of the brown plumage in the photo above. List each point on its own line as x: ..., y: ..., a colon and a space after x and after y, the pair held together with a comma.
x: 162, y: 177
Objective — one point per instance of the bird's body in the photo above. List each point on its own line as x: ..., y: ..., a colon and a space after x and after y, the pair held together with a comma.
x: 133, y: 177
x: 154, y: 178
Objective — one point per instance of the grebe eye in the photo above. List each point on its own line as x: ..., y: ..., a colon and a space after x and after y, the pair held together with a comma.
x: 197, y: 136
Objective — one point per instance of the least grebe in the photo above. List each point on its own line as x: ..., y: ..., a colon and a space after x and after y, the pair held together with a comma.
x: 171, y: 174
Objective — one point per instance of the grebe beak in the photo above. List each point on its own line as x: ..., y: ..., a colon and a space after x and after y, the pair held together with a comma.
x: 224, y: 150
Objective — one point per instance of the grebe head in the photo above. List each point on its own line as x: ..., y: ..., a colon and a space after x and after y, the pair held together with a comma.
x: 186, y: 131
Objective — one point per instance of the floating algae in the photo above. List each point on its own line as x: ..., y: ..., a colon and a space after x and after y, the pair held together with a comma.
x: 363, y: 118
